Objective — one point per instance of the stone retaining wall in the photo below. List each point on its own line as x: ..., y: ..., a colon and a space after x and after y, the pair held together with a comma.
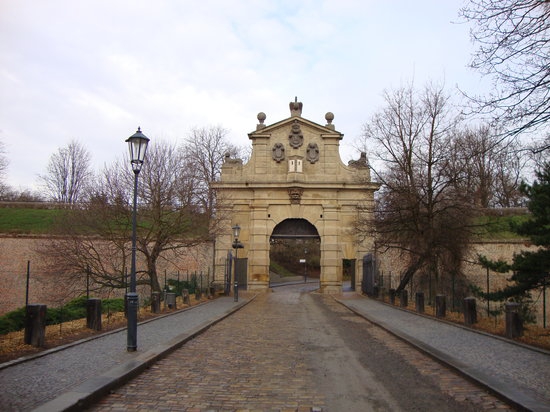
x: 49, y: 289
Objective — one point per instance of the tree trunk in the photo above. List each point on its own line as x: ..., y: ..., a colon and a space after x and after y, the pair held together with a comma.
x: 411, y: 270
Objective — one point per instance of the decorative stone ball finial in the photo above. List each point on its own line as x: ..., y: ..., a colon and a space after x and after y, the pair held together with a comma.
x: 329, y: 117
x: 261, y: 118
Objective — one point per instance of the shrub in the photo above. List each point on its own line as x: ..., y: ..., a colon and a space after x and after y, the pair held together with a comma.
x: 75, y: 309
x: 12, y: 321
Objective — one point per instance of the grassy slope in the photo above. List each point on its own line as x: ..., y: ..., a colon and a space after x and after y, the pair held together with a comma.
x: 27, y: 221
x: 41, y: 221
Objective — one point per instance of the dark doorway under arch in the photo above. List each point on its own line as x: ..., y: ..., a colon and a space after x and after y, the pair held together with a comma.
x: 295, y: 252
x: 295, y: 228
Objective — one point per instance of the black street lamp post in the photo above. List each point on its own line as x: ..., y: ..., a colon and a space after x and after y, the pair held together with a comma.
x: 236, y: 245
x: 305, y: 265
x: 137, y: 144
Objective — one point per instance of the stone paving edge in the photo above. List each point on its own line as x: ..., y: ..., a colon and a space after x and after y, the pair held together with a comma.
x: 95, y: 388
x: 506, y: 392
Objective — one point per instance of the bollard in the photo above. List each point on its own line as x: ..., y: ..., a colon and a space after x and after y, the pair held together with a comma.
x: 35, y: 325
x: 514, y: 324
x: 185, y: 297
x: 376, y: 292
x: 155, y: 302
x: 440, y: 306
x: 419, y: 302
x: 93, y: 314
x: 171, y: 300
x: 404, y: 299
x: 470, y: 311
x: 392, y: 296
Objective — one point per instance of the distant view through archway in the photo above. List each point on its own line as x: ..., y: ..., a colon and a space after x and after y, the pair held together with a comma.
x: 295, y: 252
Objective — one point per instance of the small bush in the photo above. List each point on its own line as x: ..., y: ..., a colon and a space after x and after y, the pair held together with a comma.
x: 12, y: 321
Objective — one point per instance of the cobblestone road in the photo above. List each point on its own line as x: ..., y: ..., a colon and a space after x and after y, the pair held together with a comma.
x: 293, y: 351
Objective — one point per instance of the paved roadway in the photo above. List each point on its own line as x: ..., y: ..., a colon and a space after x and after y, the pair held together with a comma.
x: 289, y: 350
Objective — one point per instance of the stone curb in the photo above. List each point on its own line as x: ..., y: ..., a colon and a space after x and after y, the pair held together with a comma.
x: 95, y: 388
x: 505, y: 391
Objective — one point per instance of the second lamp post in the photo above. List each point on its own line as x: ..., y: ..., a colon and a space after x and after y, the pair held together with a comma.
x: 236, y: 245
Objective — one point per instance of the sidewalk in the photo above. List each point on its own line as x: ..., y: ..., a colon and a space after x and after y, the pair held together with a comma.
x: 65, y: 378
x: 519, y: 374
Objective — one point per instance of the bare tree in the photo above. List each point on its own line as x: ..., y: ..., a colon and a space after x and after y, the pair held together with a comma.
x: 491, y: 169
x: 204, y: 150
x: 513, y: 39
x: 96, y: 236
x: 419, y: 211
x: 68, y: 173
x: 4, y: 162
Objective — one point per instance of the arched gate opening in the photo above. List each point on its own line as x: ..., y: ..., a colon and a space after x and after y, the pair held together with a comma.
x: 295, y: 252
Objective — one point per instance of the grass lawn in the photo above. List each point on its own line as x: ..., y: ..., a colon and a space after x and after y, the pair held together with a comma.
x: 27, y: 221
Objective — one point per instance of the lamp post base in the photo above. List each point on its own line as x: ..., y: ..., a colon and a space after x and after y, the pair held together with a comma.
x: 132, y: 299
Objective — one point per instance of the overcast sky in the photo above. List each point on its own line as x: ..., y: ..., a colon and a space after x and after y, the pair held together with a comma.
x: 95, y: 70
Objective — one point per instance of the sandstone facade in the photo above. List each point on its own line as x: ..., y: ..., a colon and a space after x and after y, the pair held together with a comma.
x: 295, y: 174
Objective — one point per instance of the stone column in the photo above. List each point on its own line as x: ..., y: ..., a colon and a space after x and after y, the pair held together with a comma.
x: 392, y: 296
x: 419, y: 302
x: 404, y: 299
x: 93, y: 314
x: 440, y: 306
x: 171, y: 299
x: 35, y: 325
x: 470, y: 311
x: 514, y: 323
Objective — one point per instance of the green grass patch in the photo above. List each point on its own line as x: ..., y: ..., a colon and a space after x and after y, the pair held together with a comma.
x: 500, y: 227
x: 33, y: 221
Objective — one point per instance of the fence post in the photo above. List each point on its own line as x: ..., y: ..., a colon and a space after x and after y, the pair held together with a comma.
x: 35, y: 325
x: 470, y: 311
x: 419, y: 302
x: 440, y: 306
x: 514, y: 323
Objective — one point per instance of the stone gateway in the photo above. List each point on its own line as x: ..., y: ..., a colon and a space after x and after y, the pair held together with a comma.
x: 294, y: 185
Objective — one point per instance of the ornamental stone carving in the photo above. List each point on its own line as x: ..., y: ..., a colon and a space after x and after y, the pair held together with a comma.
x: 296, y: 138
x: 312, y: 153
x: 278, y: 152
x: 295, y: 194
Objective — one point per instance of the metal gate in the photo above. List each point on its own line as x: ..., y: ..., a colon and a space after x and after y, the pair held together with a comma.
x: 239, y: 266
x: 369, y: 275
